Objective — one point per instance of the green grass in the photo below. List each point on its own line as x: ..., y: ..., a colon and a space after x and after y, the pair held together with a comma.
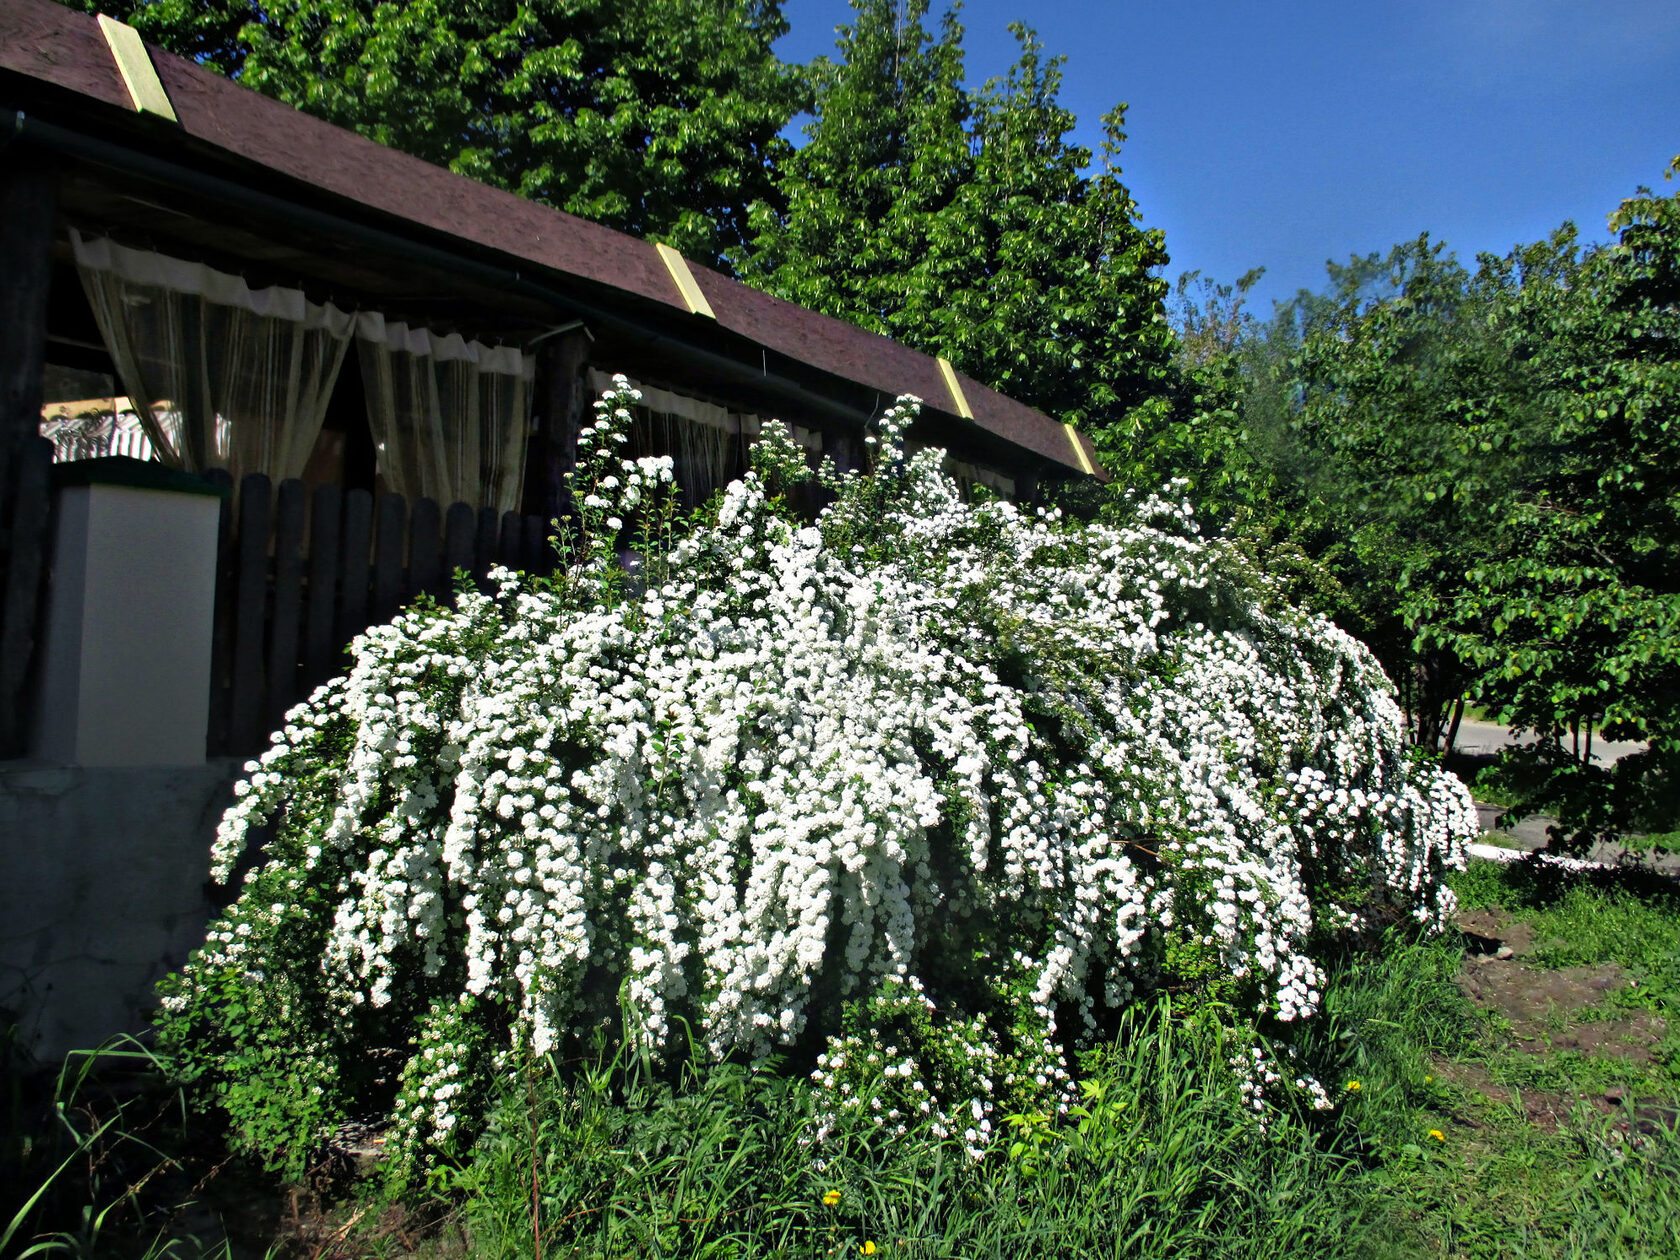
x: 1170, y: 1163
x: 717, y: 1169
x: 1497, y: 1184
x: 1503, y: 1184
x: 1625, y: 917
x: 94, y: 1160
x: 610, y: 1160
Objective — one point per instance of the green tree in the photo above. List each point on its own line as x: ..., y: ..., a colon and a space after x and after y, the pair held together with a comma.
x: 966, y: 224
x: 1222, y: 424
x: 1483, y: 464
x: 657, y: 117
x: 1210, y: 318
x: 1400, y: 379
x: 1571, y: 617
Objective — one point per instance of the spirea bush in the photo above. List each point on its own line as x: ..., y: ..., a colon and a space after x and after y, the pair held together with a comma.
x: 921, y: 795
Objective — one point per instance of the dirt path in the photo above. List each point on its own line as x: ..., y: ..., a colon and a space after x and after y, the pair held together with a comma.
x: 1540, y: 1012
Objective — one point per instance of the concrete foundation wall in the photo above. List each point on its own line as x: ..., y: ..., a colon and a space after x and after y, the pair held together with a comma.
x: 102, y: 891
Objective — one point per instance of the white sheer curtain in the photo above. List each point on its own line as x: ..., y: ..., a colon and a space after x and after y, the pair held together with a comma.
x: 220, y: 375
x: 450, y: 417
x: 703, y: 439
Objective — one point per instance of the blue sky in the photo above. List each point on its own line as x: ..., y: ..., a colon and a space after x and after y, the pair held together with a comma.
x: 1283, y: 133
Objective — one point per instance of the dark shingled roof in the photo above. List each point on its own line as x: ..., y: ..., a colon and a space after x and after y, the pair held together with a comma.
x: 64, y: 52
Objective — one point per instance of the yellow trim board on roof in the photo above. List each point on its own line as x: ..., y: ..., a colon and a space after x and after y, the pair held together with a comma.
x: 953, y: 385
x: 139, y: 76
x: 1079, y: 450
x: 677, y: 265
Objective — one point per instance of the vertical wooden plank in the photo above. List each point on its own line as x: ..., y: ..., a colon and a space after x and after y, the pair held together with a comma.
x: 560, y: 363
x: 250, y: 603
x: 508, y: 547
x: 221, y: 631
x: 535, y: 551
x: 388, y: 558
x: 286, y: 616
x: 425, y: 568
x: 484, y: 543
x: 837, y: 445
x: 27, y: 207
x: 23, y: 590
x: 358, y: 534
x: 460, y: 525
x: 318, y: 644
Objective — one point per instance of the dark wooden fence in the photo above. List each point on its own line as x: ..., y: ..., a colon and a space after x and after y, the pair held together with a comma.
x: 25, y: 503
x: 301, y: 573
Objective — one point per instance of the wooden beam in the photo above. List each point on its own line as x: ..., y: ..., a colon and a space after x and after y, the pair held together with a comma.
x: 1078, y: 445
x: 27, y: 208
x: 686, y: 284
x: 21, y: 590
x: 134, y: 63
x: 959, y: 400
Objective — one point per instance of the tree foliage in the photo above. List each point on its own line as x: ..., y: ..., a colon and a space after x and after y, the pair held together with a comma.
x: 1482, y: 467
x: 1570, y: 618
x: 657, y: 117
x: 965, y: 223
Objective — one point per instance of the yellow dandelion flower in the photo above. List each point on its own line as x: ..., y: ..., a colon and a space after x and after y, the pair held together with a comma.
x: 1353, y: 1087
x: 1438, y: 1135
x: 830, y: 1197
x: 868, y: 1248
x: 1429, y: 1080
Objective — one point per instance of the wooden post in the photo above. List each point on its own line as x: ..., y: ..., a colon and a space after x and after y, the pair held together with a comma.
x: 388, y: 558
x: 460, y: 524
x: 221, y: 639
x: 286, y: 615
x: 21, y: 588
x: 27, y: 207
x: 837, y: 445
x: 319, y: 645
x: 484, y: 544
x: 358, y: 534
x: 425, y: 559
x: 250, y: 611
x: 559, y: 370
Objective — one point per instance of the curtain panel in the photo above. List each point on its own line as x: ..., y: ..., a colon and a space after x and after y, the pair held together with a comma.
x: 450, y: 417
x: 220, y: 375
x: 703, y: 439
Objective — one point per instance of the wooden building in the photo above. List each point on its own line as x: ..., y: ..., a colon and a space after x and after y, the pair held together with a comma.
x: 261, y: 382
x: 198, y: 274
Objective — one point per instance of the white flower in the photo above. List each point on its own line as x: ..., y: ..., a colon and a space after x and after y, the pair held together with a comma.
x: 797, y: 765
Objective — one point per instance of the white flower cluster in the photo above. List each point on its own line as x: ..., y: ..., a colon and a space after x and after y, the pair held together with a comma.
x: 1020, y: 767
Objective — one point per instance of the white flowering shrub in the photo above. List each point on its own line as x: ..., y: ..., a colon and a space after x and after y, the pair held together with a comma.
x: 925, y: 791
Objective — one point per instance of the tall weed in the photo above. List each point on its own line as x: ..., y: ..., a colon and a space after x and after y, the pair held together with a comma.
x: 91, y: 1166
x: 1163, y: 1159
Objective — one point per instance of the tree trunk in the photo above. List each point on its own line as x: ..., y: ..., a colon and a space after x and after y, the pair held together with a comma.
x: 1452, y: 730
